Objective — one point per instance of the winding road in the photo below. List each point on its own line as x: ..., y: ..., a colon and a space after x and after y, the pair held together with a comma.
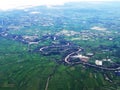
x: 67, y: 58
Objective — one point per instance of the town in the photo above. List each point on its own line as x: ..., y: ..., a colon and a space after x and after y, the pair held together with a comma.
x: 69, y: 47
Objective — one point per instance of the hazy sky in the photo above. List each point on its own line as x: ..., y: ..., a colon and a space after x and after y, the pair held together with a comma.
x: 8, y: 4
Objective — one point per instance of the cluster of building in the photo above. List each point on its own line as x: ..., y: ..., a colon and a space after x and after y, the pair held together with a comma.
x: 93, y: 34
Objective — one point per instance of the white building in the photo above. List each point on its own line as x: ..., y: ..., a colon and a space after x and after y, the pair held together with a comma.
x: 98, y: 62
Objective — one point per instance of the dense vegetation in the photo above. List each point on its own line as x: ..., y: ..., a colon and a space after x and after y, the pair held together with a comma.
x: 24, y: 69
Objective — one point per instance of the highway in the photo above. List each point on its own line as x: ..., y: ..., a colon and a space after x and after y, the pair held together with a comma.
x: 67, y: 58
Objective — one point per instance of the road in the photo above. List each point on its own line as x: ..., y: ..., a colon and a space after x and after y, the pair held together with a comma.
x: 67, y: 58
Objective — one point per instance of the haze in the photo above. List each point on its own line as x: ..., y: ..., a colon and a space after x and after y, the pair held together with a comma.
x: 10, y: 4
